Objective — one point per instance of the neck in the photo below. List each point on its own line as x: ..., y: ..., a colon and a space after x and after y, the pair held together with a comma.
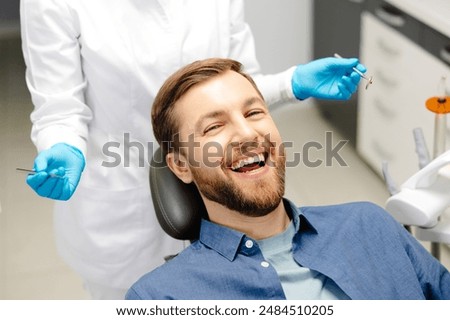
x: 255, y: 227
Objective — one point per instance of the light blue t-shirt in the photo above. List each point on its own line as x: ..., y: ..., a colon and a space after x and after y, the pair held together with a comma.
x: 298, y: 283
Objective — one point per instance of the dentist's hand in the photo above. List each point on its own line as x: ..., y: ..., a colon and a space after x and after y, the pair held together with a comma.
x: 327, y: 78
x: 58, y: 171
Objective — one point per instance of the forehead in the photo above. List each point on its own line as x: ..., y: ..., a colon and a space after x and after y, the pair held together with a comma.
x: 224, y: 92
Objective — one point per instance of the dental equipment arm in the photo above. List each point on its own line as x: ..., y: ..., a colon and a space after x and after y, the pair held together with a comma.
x: 424, y: 196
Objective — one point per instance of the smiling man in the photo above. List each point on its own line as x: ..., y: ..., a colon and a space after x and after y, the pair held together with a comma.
x: 247, y: 179
x: 255, y: 244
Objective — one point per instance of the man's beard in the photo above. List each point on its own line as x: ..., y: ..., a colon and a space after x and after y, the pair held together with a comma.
x: 265, y: 198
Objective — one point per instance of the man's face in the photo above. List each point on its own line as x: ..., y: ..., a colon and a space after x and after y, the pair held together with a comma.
x: 234, y: 151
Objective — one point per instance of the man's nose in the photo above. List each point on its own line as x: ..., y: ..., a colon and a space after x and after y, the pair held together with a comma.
x: 244, y: 130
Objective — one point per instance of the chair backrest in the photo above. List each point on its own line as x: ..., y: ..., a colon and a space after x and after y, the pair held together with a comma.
x: 179, y: 207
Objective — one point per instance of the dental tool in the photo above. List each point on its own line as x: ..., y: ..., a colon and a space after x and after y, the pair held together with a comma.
x: 390, y: 184
x: 362, y: 75
x: 32, y: 172
x: 421, y: 148
x: 439, y: 105
x: 29, y: 171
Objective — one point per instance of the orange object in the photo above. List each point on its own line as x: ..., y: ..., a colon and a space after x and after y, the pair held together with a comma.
x: 439, y: 105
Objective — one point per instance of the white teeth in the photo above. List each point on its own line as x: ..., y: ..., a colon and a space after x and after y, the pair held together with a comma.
x: 256, y: 159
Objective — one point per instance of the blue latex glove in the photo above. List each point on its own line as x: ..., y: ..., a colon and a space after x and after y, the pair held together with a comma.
x: 327, y: 78
x: 58, y: 171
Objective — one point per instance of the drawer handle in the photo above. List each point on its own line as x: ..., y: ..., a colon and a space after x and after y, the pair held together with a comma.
x: 387, y: 48
x: 391, y: 16
x: 388, y: 112
x: 445, y: 54
x: 389, y: 82
x: 357, y: 1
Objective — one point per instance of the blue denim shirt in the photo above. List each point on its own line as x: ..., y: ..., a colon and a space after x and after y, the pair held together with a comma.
x: 358, y: 245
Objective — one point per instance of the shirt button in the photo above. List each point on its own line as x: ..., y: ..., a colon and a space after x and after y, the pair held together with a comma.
x: 249, y: 244
x: 265, y: 264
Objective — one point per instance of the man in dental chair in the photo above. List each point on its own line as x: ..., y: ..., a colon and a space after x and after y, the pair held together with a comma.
x: 255, y: 244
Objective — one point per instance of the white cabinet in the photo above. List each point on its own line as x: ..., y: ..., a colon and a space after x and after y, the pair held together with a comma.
x: 405, y: 76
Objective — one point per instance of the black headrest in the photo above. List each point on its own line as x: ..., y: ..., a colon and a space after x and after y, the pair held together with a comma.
x: 179, y: 207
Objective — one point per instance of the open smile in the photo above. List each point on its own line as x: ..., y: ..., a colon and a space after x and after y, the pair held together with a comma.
x: 251, y: 164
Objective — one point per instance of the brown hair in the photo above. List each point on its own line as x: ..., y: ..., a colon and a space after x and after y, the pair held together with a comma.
x: 165, y: 125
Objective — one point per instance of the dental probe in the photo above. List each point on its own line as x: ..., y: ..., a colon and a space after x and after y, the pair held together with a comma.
x: 34, y: 172
x: 362, y: 75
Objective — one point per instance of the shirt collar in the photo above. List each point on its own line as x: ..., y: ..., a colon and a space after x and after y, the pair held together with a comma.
x: 227, y: 241
x: 301, y: 223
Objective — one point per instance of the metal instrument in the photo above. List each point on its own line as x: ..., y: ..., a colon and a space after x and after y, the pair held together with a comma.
x: 362, y: 75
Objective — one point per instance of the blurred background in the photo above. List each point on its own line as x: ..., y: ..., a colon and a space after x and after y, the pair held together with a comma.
x: 403, y: 43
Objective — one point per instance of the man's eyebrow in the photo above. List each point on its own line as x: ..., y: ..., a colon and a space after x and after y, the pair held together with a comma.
x: 210, y: 115
x: 253, y: 100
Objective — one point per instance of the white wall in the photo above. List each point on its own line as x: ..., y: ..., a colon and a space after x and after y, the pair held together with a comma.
x: 282, y: 31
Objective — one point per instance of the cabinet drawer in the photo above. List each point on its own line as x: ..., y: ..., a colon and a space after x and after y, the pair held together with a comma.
x: 384, y: 109
x: 391, y: 141
x: 381, y: 146
x: 395, y: 104
x: 395, y: 18
x: 437, y: 44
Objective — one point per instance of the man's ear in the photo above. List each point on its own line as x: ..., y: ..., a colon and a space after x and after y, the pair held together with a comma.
x: 179, y: 166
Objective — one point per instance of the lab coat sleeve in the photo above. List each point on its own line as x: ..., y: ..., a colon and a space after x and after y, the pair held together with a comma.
x: 53, y: 74
x: 275, y: 88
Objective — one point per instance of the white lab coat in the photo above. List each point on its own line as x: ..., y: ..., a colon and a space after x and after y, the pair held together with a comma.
x: 93, y: 69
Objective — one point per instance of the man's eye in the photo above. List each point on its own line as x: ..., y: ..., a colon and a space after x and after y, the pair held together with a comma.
x: 212, y: 128
x: 254, y: 113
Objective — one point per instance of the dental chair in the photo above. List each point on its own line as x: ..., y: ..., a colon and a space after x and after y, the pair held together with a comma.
x: 178, y: 206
